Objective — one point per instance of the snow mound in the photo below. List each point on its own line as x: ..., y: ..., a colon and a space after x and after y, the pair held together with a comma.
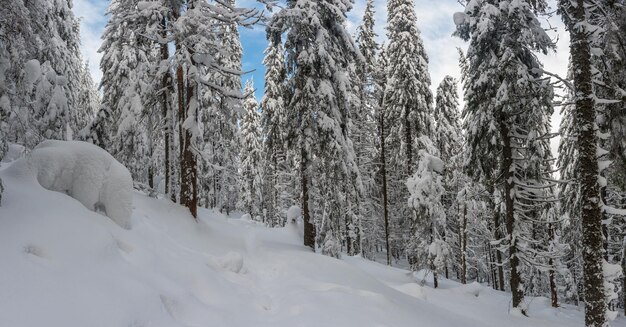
x: 88, y: 174
x: 232, y: 261
x: 14, y: 152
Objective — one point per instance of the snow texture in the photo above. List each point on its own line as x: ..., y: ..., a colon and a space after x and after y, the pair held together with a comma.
x: 64, y: 266
x: 88, y: 174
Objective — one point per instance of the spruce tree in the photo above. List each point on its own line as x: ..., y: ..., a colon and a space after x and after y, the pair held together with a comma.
x: 364, y: 128
x: 507, y: 112
x: 277, y: 177
x: 407, y: 112
x: 250, y: 154
x: 320, y: 57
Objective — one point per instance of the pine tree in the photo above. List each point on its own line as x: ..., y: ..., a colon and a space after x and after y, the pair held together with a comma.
x: 320, y: 57
x: 364, y: 127
x: 250, y: 154
x: 273, y: 121
x: 407, y: 110
x: 502, y: 79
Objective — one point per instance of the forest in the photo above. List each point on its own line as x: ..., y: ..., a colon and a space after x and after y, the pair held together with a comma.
x: 348, y: 139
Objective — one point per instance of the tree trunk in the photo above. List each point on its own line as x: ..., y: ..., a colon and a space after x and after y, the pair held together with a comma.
x: 188, y: 164
x: 515, y: 281
x: 383, y: 171
x: 498, y: 254
x: 166, y: 113
x: 463, y: 242
x: 309, y: 227
x: 551, y: 274
x: 585, y: 119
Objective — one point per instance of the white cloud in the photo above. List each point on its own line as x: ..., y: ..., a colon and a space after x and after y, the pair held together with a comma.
x: 92, y: 21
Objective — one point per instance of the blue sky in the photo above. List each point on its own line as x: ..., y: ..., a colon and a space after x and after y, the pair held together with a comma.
x: 434, y: 19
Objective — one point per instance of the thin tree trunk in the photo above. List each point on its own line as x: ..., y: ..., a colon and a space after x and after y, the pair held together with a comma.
x: 498, y: 254
x: 551, y: 274
x: 309, y: 227
x: 383, y: 171
x: 463, y: 242
x: 515, y: 281
x: 166, y: 113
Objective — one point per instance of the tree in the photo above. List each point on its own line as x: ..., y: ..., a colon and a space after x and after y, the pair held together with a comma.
x: 320, y: 55
x: 364, y: 128
x: 273, y: 121
x: 426, y: 188
x: 507, y: 112
x: 584, y: 20
x: 406, y: 111
x: 250, y: 154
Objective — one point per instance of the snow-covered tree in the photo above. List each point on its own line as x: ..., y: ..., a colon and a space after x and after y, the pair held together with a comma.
x: 278, y: 179
x: 250, y: 154
x: 426, y: 189
x: 364, y: 130
x: 507, y: 112
x: 320, y: 57
x: 407, y: 97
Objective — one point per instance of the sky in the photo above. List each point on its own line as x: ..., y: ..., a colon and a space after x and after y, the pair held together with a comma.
x: 434, y: 19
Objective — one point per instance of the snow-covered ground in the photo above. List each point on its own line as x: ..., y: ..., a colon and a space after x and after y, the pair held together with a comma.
x: 63, y: 265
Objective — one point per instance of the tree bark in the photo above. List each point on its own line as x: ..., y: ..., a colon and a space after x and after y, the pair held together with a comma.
x: 166, y: 113
x: 515, y: 281
x: 309, y: 227
x: 463, y: 242
x: 383, y: 171
x: 585, y: 119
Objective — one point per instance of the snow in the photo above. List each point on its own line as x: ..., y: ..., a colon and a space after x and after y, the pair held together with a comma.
x: 86, y: 173
x: 459, y: 18
x: 64, y: 266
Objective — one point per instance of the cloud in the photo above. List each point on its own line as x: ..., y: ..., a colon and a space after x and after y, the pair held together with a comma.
x: 92, y: 21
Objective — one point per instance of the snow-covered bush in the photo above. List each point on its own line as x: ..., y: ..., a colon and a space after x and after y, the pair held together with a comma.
x: 87, y: 173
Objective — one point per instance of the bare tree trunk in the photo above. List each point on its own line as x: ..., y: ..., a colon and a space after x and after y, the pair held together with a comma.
x: 383, y: 172
x: 497, y: 253
x: 166, y: 113
x: 463, y: 243
x: 309, y: 227
x: 551, y: 274
x: 515, y: 281
x: 188, y: 165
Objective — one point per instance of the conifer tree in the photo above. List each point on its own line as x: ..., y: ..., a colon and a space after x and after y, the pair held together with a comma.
x: 273, y: 121
x: 320, y: 56
x: 406, y: 112
x: 364, y: 128
x: 502, y: 79
x: 250, y: 154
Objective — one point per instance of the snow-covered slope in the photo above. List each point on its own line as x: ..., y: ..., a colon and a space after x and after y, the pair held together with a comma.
x: 64, y: 265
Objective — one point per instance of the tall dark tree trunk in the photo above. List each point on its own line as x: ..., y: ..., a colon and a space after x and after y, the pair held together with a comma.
x: 188, y: 164
x: 188, y: 169
x: 551, y: 274
x: 383, y: 172
x: 309, y: 227
x: 515, y: 281
x: 585, y: 120
x: 166, y: 113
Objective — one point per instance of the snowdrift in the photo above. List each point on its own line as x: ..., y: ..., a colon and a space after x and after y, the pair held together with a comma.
x: 88, y: 174
x: 66, y: 266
